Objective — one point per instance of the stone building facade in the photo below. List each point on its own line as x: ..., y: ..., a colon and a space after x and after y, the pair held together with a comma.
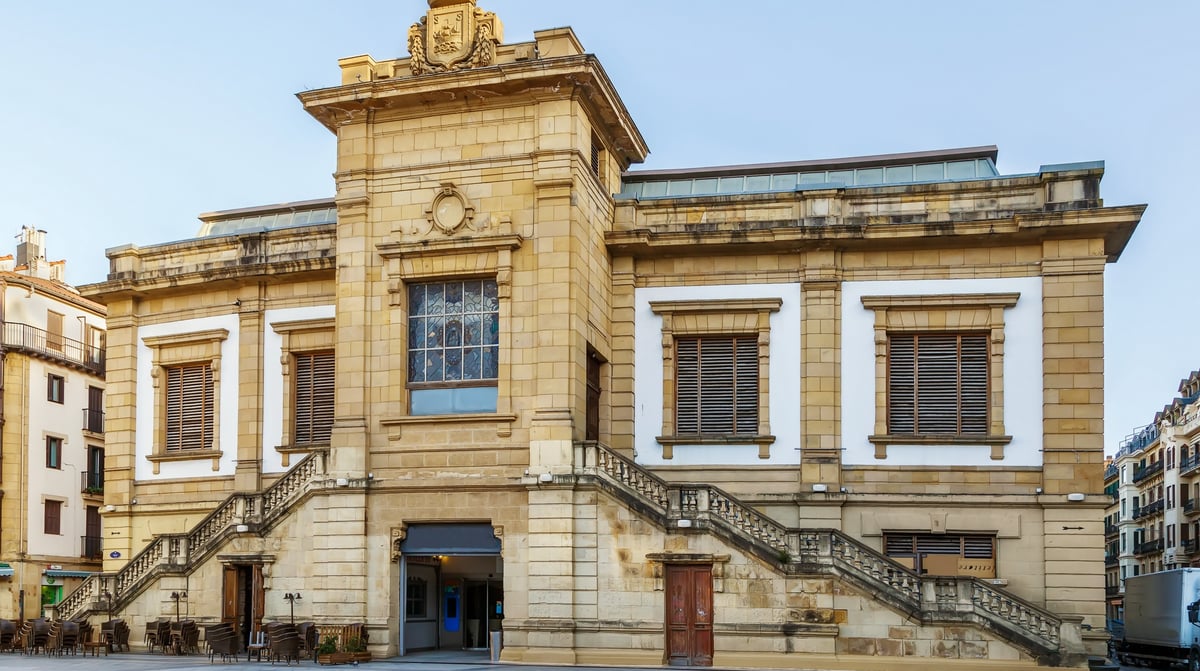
x: 833, y: 413
x: 51, y: 431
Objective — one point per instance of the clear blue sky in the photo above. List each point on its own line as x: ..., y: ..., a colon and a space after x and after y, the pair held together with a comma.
x: 124, y: 120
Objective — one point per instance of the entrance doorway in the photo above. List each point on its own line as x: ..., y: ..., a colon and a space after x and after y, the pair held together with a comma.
x: 689, y: 615
x: 243, y: 598
x: 451, y: 588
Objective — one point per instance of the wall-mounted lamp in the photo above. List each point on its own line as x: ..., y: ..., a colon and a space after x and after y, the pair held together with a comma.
x: 820, y: 487
x: 1076, y: 496
x: 342, y: 482
x: 292, y: 598
x: 109, y: 508
x: 242, y: 528
x: 844, y: 490
x: 1037, y: 490
x: 546, y: 477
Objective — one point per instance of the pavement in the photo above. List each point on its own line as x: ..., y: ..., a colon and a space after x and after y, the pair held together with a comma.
x: 145, y: 661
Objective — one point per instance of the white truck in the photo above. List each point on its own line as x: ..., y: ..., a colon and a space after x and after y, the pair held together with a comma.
x: 1161, y: 627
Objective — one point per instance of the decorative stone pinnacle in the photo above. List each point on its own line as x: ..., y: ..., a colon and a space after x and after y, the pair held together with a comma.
x: 453, y: 35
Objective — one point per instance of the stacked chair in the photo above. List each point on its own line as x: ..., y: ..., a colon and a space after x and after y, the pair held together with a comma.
x: 8, y: 635
x: 158, y: 634
x: 116, y: 634
x: 222, y: 640
x: 285, y: 642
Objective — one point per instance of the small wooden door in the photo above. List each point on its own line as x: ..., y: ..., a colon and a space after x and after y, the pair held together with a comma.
x: 242, y: 598
x: 689, y: 615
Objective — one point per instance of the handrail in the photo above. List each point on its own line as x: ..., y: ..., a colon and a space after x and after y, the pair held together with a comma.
x: 804, y: 549
x: 184, y: 550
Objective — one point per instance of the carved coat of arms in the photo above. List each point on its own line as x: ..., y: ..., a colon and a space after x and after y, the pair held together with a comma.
x: 453, y: 36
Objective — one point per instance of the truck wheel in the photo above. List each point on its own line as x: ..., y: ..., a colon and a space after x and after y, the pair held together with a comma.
x: 1194, y: 660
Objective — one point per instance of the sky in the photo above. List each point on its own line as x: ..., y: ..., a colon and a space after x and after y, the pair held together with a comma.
x: 125, y: 120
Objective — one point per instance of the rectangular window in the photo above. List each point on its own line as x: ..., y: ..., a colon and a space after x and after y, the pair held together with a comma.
x: 55, y: 388
x: 52, y: 521
x: 453, y: 346
x: 944, y: 554
x: 938, y: 384
x: 54, y: 452
x: 189, y: 412
x: 415, y: 598
x: 716, y: 385
x: 54, y: 331
x: 314, y: 398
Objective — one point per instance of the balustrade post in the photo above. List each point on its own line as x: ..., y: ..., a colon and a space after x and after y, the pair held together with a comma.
x: 702, y: 502
x: 239, y: 510
x: 674, y: 508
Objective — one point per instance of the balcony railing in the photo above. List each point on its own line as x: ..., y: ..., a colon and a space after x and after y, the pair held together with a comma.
x: 1110, y: 529
x: 1110, y: 560
x: 91, y: 547
x: 1188, y: 546
x: 93, y: 420
x: 1142, y: 473
x: 1148, y: 509
x: 1110, y: 472
x: 43, y: 343
x: 1189, y: 465
x: 1189, y: 506
x: 1112, y: 590
x: 91, y: 482
x: 1148, y: 547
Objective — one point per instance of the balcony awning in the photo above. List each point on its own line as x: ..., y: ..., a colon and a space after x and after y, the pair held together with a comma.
x: 60, y: 573
x: 450, y: 539
x: 6, y: 572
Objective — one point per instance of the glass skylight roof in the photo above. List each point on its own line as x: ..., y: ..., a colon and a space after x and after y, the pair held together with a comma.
x: 942, y: 171
x: 252, y: 222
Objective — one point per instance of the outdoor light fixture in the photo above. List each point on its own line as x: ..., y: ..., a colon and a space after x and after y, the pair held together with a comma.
x: 178, y: 596
x: 820, y: 487
x: 292, y: 598
x: 1076, y: 496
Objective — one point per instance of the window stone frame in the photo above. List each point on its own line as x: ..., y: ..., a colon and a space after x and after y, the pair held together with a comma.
x: 299, y: 336
x: 177, y: 350
x: 941, y: 313
x: 721, y: 317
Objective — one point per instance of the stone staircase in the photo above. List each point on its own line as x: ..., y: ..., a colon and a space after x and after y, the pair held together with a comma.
x: 1051, y: 639
x: 179, y: 554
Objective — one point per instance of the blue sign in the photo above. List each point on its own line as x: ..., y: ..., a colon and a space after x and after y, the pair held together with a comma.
x: 114, y: 555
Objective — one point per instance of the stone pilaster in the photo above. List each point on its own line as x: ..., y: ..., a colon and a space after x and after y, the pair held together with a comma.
x: 249, y: 412
x: 1073, y: 426
x: 820, y: 395
x: 120, y: 432
x: 550, y: 632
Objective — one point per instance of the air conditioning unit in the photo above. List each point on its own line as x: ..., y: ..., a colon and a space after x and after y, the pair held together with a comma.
x: 999, y: 582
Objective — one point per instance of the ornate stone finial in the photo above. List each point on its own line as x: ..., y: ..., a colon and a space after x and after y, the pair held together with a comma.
x: 454, y: 35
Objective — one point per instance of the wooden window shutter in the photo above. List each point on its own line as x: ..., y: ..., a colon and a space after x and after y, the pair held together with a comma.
x: 53, y: 517
x: 716, y: 385
x: 189, y: 407
x: 314, y: 398
x: 938, y: 383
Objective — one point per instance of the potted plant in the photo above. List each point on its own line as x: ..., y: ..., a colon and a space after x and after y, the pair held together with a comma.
x: 357, y: 649
x: 327, y: 652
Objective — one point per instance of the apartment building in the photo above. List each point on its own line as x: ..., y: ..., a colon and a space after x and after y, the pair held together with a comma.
x: 52, y: 437
x: 1153, y: 521
x: 805, y: 413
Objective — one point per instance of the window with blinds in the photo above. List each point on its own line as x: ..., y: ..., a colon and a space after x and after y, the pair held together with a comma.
x: 716, y: 385
x: 314, y: 397
x: 970, y: 546
x: 52, y: 518
x: 938, y: 383
x: 189, y: 415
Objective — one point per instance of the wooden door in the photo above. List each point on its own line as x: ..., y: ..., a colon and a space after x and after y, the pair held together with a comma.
x: 689, y: 615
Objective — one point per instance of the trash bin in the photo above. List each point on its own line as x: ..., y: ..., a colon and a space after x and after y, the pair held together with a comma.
x: 497, y: 642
